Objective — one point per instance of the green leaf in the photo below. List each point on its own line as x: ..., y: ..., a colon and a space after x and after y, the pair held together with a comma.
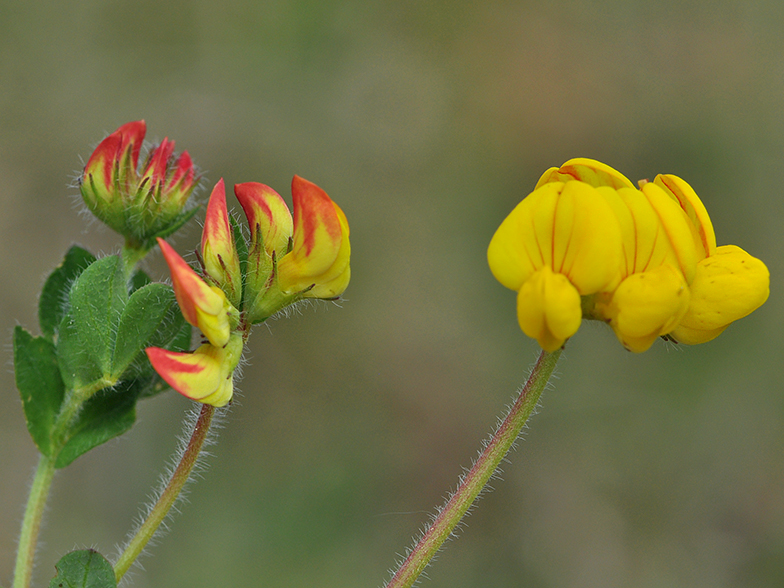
x: 77, y: 368
x: 40, y: 385
x: 148, y: 318
x: 106, y: 415
x: 53, y: 302
x: 83, y: 569
x: 97, y: 301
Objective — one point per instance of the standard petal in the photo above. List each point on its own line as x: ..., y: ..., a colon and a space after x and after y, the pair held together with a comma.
x: 590, y: 171
x: 691, y: 204
x: 321, y: 249
x: 679, y: 229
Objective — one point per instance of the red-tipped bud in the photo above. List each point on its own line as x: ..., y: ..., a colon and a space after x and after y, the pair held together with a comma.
x: 218, y: 251
x: 138, y: 206
x: 205, y: 307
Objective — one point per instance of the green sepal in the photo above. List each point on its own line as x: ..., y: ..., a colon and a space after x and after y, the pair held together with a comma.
x: 106, y: 415
x: 40, y: 385
x: 83, y: 569
x: 53, y: 303
x: 175, y: 225
x: 241, y: 245
x: 97, y: 301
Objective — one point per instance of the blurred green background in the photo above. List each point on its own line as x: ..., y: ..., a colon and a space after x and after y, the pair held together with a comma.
x: 427, y: 122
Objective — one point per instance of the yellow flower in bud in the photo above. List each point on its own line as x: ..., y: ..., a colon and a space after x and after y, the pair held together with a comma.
x: 205, y: 375
x: 565, y: 239
x: 205, y: 307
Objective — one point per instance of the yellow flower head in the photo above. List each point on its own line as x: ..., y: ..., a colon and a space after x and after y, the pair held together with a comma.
x: 587, y: 243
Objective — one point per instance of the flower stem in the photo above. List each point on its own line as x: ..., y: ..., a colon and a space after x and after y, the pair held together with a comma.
x: 31, y: 524
x: 169, y: 494
x: 474, y: 481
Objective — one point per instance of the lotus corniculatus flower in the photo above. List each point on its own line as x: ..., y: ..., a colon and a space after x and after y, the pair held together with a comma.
x: 670, y: 279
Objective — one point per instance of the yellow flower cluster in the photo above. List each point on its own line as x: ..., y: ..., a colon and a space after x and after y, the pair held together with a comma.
x: 587, y: 243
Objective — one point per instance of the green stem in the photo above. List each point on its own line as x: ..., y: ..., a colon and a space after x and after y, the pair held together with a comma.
x: 31, y: 524
x: 131, y: 255
x: 42, y: 484
x: 481, y: 472
x: 169, y: 494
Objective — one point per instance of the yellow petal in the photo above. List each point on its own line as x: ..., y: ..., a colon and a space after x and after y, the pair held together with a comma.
x: 205, y: 307
x: 728, y: 286
x: 569, y: 228
x: 321, y: 249
x: 647, y: 305
x: 679, y: 229
x: 587, y: 239
x: 548, y: 309
x: 590, y: 171
x: 691, y: 204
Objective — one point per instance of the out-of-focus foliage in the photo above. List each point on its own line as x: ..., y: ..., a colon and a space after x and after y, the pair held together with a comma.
x: 427, y: 121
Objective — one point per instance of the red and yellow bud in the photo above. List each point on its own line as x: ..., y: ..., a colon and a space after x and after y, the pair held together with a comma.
x: 110, y: 172
x: 138, y: 206
x: 318, y: 264
x: 269, y: 219
x: 203, y: 306
x: 205, y: 375
x: 218, y: 251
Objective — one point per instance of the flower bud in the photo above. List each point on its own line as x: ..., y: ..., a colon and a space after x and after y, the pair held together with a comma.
x: 318, y: 264
x: 203, y: 306
x: 205, y: 375
x: 289, y: 259
x: 218, y: 251
x: 138, y: 206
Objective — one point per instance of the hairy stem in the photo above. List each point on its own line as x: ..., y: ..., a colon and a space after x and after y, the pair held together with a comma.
x: 169, y: 494
x: 474, y: 481
x: 31, y: 524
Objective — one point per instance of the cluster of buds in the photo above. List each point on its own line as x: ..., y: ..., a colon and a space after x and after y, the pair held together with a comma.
x: 587, y: 243
x: 241, y: 284
x: 140, y: 205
